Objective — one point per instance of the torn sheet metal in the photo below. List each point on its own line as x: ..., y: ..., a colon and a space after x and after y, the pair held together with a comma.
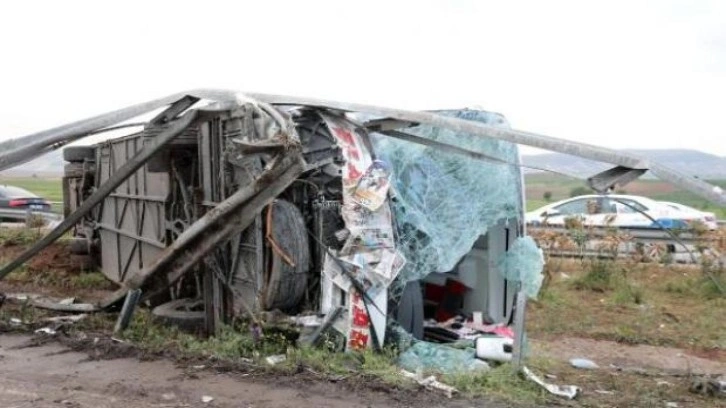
x: 524, y: 263
x: 369, y: 253
x: 567, y: 391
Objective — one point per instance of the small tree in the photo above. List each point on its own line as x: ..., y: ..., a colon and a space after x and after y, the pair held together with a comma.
x: 547, y: 196
x: 578, y: 191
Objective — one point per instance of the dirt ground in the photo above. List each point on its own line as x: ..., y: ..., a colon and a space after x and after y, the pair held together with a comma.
x: 669, y: 360
x: 51, y: 375
x: 571, y: 324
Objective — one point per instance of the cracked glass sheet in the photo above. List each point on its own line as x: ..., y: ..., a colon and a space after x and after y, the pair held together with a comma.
x: 444, y: 201
x: 425, y: 356
x: 524, y: 263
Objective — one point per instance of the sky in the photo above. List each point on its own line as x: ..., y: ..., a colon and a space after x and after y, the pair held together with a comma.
x: 622, y: 74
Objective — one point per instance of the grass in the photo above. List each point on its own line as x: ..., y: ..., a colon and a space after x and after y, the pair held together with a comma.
x: 50, y: 268
x: 235, y: 344
x: 668, y: 305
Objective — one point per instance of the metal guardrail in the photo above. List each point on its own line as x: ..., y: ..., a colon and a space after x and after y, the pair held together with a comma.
x: 653, y: 244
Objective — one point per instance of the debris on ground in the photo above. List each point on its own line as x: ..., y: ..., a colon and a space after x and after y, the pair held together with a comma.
x: 276, y: 359
x: 430, y: 383
x: 428, y: 356
x: 51, y: 303
x: 583, y: 363
x: 207, y: 399
x: 712, y: 387
x: 65, y: 319
x: 567, y: 391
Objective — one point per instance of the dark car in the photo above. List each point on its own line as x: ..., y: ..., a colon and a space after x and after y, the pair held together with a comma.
x: 16, y: 198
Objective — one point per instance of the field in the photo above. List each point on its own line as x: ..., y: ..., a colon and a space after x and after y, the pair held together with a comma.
x: 560, y: 187
x: 48, y: 188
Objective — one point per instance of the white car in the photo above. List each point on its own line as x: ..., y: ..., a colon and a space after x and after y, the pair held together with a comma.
x: 612, y: 210
x: 709, y: 218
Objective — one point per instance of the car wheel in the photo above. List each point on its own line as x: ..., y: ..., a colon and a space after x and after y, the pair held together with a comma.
x: 79, y: 153
x: 286, y: 284
x: 186, y: 314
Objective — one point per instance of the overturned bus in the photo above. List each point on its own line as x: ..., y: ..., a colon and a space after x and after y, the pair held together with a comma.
x: 252, y: 207
x: 369, y: 220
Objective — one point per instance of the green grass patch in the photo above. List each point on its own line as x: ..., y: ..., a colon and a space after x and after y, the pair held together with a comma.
x: 501, y: 382
x: 48, y: 188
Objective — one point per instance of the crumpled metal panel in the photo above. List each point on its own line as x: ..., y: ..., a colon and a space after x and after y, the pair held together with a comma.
x: 443, y: 201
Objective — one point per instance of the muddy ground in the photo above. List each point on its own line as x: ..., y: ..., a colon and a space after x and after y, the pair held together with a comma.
x: 65, y: 371
x: 53, y: 375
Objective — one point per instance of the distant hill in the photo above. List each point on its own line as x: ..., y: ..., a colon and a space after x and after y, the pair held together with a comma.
x: 48, y: 165
x: 691, y: 162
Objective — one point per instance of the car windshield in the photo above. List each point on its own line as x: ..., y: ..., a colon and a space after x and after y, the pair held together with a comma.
x: 573, y: 207
x: 629, y: 206
x: 15, y: 192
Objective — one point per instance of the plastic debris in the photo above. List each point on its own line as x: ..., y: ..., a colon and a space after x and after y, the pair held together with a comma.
x: 307, y: 321
x: 494, y: 348
x: 207, y: 399
x: 430, y: 383
x: 605, y: 392
x: 567, y: 391
x: 276, y: 359
x: 709, y: 386
x: 66, y: 319
x: 46, y: 330
x: 14, y: 321
x: 671, y: 405
x: 168, y: 396
x: 583, y: 363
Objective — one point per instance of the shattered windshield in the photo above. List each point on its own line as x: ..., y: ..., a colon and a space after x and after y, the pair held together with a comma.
x: 444, y: 201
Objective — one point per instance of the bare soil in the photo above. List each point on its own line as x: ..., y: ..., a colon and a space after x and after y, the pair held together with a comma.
x: 609, y: 354
x: 38, y: 374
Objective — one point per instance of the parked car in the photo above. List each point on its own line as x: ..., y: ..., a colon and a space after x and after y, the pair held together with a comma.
x: 15, y: 203
x: 613, y: 210
x: 709, y: 218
